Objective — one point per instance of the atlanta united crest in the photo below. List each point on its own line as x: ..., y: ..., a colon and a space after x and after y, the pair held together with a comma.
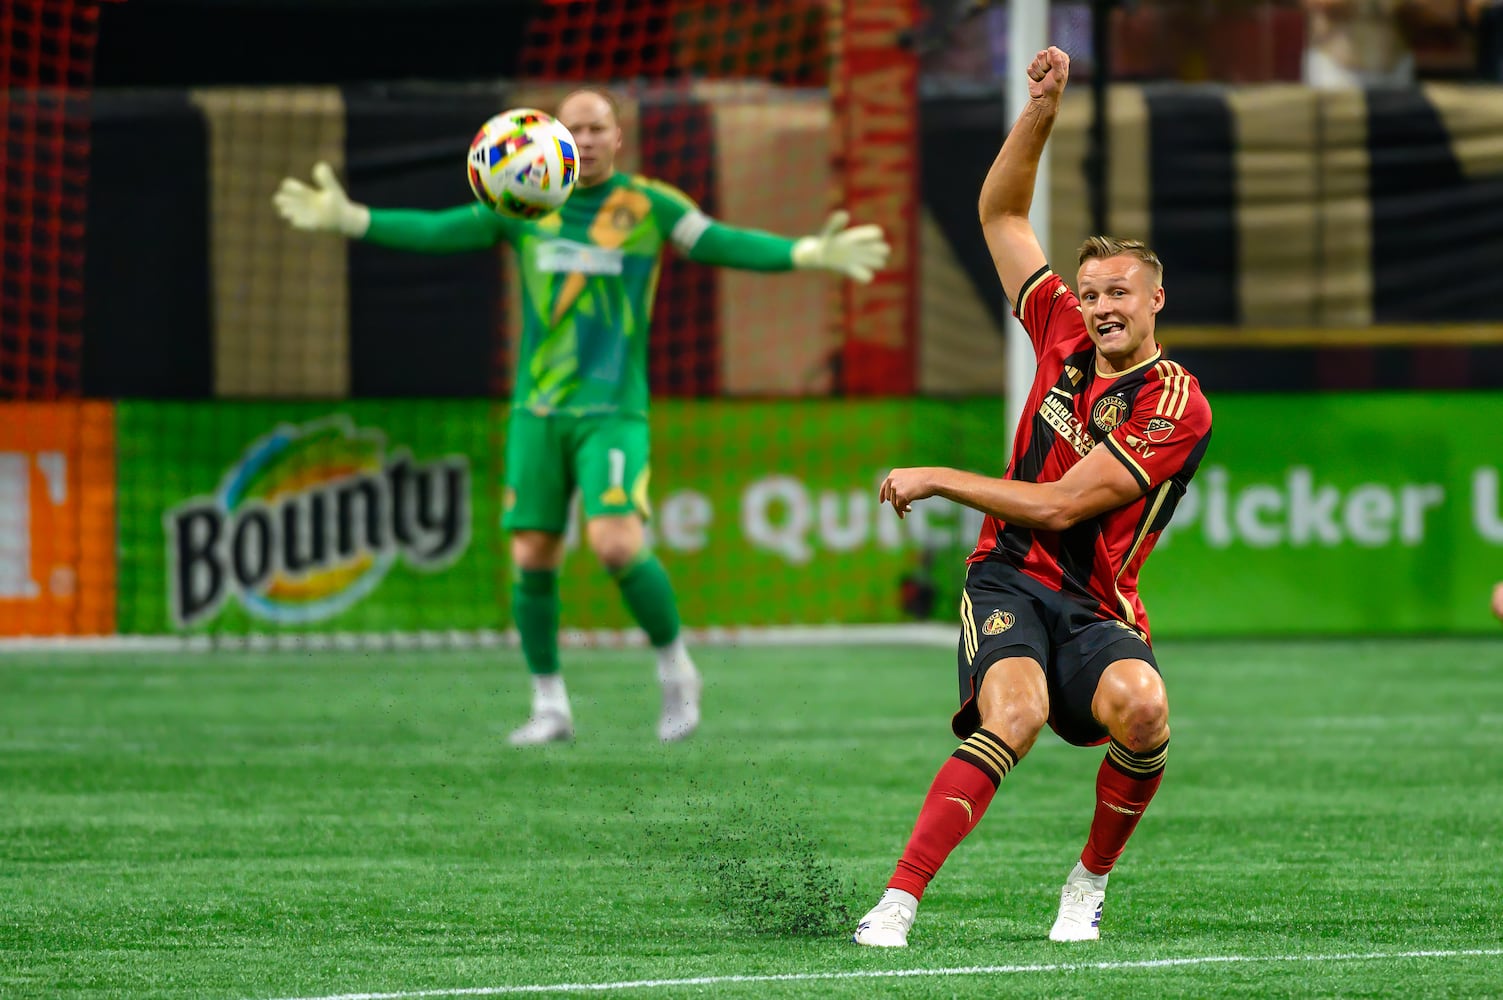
x: 1109, y: 412
x: 998, y: 622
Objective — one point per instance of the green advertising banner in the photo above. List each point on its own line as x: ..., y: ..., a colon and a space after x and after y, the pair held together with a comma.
x: 766, y: 513
x: 1312, y: 514
x: 1372, y: 513
x: 243, y: 517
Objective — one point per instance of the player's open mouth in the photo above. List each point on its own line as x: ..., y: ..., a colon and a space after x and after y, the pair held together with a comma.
x: 1107, y: 329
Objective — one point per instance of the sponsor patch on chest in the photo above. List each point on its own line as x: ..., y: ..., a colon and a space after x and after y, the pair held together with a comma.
x: 1057, y: 414
x: 569, y: 257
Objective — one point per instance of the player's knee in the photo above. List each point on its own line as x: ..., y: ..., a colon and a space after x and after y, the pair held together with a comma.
x: 1132, y: 703
x: 1144, y: 726
x: 1017, y: 723
x: 1014, y: 703
x: 536, y: 550
x: 614, y: 560
x: 615, y: 551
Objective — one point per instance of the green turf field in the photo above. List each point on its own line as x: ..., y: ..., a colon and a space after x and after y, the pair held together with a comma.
x: 308, y: 825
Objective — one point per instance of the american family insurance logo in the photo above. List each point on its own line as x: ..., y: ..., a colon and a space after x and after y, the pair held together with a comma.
x: 310, y: 520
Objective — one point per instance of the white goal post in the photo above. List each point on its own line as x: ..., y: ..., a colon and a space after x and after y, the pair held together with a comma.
x: 1027, y: 32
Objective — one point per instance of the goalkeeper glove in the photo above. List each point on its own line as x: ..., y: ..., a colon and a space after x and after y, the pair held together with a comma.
x: 854, y: 252
x: 322, y: 209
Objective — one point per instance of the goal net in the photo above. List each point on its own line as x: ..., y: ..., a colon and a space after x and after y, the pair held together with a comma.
x: 263, y: 432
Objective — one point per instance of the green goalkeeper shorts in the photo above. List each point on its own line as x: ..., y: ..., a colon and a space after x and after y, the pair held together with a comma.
x: 604, y: 456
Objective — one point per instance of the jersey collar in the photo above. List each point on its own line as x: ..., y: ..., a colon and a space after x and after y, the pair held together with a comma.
x: 1128, y: 371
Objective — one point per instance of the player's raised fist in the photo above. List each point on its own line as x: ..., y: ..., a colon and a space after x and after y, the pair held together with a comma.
x: 1047, y: 74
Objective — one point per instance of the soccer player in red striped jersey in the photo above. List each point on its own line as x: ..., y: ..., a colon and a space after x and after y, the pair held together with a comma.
x: 1052, y: 629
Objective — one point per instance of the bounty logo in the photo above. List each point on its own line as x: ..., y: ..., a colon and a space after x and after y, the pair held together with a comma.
x: 310, y: 520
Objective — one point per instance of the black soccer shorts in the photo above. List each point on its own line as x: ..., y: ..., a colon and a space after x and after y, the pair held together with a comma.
x: 1004, y: 613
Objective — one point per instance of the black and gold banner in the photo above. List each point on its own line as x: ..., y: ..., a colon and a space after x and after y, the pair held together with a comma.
x: 196, y: 289
x: 1310, y: 239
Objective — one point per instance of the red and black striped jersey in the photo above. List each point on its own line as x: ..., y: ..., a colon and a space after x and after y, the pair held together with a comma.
x: 1152, y: 418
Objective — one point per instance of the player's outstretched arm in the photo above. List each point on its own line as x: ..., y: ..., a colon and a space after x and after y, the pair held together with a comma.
x: 1007, y: 192
x: 326, y: 208
x: 855, y: 252
x: 1097, y: 483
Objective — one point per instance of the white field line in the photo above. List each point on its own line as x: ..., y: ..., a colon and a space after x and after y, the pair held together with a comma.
x: 925, y: 634
x: 969, y: 970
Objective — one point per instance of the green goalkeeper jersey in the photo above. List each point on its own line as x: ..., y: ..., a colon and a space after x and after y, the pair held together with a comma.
x: 589, y: 274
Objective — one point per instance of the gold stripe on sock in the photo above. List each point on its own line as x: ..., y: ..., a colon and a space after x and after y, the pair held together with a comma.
x: 982, y: 749
x: 1146, y: 765
x: 983, y: 738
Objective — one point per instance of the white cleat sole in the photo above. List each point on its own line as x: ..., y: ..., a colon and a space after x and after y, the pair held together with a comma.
x: 1071, y: 934
x: 872, y: 941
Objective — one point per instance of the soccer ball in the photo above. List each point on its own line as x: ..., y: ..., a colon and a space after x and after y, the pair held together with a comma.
x: 523, y: 163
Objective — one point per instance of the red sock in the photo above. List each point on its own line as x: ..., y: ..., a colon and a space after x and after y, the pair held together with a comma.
x: 1125, y: 785
x: 955, y: 804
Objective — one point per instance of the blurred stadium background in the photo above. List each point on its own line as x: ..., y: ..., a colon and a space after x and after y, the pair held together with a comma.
x: 1331, y: 256
x: 184, y: 817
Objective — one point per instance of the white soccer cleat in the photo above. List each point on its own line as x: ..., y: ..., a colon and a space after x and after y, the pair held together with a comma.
x: 543, y: 727
x: 1079, y: 913
x: 886, y: 925
x: 680, y: 707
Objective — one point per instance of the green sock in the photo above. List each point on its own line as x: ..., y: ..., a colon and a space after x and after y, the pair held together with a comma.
x: 534, y: 604
x: 649, y: 597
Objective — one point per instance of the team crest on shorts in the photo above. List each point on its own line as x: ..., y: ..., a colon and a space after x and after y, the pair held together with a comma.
x: 998, y: 622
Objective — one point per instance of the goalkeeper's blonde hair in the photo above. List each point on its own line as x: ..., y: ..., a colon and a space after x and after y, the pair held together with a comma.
x: 605, y: 94
x: 1110, y: 246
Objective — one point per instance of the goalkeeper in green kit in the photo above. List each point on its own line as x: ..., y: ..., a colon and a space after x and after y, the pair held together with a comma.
x: 579, y: 405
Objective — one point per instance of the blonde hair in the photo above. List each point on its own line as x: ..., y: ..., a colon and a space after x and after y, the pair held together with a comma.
x: 1110, y: 246
x: 605, y: 95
